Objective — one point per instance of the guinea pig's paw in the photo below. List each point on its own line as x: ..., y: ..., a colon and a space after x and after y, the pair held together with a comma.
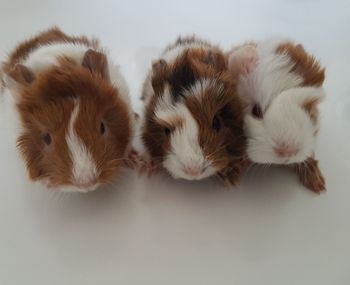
x: 230, y: 176
x: 311, y: 177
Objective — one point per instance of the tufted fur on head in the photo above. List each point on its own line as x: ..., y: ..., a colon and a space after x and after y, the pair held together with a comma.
x: 280, y: 85
x: 76, y: 125
x: 193, y: 119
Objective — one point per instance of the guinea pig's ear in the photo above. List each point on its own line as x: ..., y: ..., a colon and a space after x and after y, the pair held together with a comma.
x: 307, y: 98
x: 242, y: 60
x: 18, y: 78
x: 160, y: 72
x: 215, y: 59
x: 184, y: 72
x: 96, y: 62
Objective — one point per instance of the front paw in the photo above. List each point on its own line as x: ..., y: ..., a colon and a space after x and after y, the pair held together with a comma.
x: 310, y: 176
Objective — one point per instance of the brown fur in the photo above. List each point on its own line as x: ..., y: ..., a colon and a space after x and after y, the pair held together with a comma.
x: 223, y: 147
x: 229, y: 142
x: 52, y: 35
x: 305, y: 64
x: 46, y: 101
x: 310, y: 175
x: 46, y: 106
x: 187, y: 40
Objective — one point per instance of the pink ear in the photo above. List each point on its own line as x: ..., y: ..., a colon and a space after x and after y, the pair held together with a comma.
x: 243, y: 60
x: 96, y: 62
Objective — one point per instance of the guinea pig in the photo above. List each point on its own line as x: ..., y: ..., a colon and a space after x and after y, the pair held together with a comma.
x: 193, y: 121
x: 280, y: 86
x: 74, y: 108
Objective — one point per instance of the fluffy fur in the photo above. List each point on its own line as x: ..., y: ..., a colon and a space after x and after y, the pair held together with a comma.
x: 280, y: 85
x: 186, y: 91
x: 74, y: 109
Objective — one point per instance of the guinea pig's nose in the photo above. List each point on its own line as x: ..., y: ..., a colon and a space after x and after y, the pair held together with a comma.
x: 285, y: 150
x: 193, y: 170
x: 86, y: 185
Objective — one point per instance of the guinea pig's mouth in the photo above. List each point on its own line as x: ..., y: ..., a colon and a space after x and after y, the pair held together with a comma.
x: 193, y: 172
x: 75, y: 188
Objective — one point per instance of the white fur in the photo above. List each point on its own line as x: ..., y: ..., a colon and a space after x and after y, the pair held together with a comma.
x: 171, y: 54
x: 200, y: 86
x: 277, y: 90
x: 46, y: 56
x: 84, y: 170
x: 287, y: 123
x: 271, y: 76
x: 185, y: 150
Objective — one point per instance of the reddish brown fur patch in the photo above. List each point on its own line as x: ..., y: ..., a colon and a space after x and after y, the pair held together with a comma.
x: 305, y: 64
x: 310, y: 175
x: 172, y: 123
x: 193, y: 64
x: 52, y: 35
x: 226, y: 147
x: 46, y: 106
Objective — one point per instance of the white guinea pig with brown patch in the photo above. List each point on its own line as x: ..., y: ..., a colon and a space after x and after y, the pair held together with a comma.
x: 74, y: 109
x: 193, y: 123
x: 280, y: 85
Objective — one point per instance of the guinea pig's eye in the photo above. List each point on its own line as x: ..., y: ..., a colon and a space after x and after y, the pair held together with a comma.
x: 102, y: 128
x: 257, y: 112
x: 216, y: 125
x: 47, y: 139
x: 167, y: 131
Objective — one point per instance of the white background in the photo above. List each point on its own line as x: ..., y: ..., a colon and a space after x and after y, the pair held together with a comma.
x: 160, y: 231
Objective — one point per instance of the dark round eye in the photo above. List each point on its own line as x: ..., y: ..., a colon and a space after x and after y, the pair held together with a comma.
x: 102, y: 128
x: 257, y: 112
x: 216, y: 124
x: 47, y: 139
x: 167, y: 131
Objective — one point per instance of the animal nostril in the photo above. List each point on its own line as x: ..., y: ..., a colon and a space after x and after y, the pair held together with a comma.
x: 285, y: 150
x: 193, y: 170
x: 86, y: 184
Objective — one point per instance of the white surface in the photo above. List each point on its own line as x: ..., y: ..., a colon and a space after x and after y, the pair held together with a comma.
x: 159, y: 231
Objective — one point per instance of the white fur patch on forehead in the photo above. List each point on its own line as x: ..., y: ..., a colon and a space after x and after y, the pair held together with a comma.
x: 44, y: 57
x: 185, y: 150
x: 201, y: 85
x: 271, y: 76
x: 84, y: 170
x: 165, y: 107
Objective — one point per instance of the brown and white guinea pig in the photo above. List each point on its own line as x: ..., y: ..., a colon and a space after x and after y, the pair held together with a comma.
x: 280, y: 86
x: 74, y: 109
x: 193, y: 123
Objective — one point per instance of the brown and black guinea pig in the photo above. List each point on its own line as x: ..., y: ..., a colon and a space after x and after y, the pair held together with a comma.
x: 193, y: 120
x: 76, y: 117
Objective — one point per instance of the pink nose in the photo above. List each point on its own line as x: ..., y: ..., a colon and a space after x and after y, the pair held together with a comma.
x: 193, y: 170
x: 285, y: 151
x: 86, y: 185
